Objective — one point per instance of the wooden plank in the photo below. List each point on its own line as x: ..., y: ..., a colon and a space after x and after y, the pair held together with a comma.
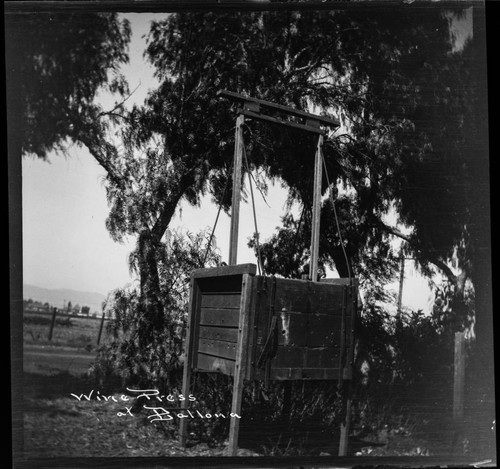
x: 303, y: 296
x: 240, y: 368
x: 292, y: 329
x: 215, y: 364
x: 275, y: 120
x: 279, y: 107
x: 341, y: 281
x: 189, y: 354
x: 235, y: 204
x: 323, y: 357
x: 254, y: 287
x: 300, y: 330
x: 219, y: 333
x: 316, y: 211
x: 224, y: 284
x: 219, y: 317
x: 323, y: 330
x: 220, y: 301
x: 217, y: 348
x: 227, y: 270
x: 458, y: 376
x: 281, y: 374
x: 306, y: 357
x: 344, y: 428
x: 289, y: 357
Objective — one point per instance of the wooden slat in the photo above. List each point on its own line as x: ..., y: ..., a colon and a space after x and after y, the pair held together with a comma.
x: 219, y: 317
x: 281, y: 374
x: 221, y: 301
x: 275, y: 120
x: 240, y: 369
x: 227, y: 270
x: 302, y: 296
x: 215, y: 364
x: 323, y: 330
x: 316, y: 212
x: 219, y: 333
x: 224, y: 284
x: 300, y: 330
x: 292, y: 357
x: 323, y: 357
x: 292, y: 329
x: 306, y: 357
x: 217, y: 348
x: 190, y: 355
x: 279, y: 107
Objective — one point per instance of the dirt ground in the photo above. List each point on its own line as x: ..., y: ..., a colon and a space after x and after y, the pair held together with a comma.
x: 58, y: 424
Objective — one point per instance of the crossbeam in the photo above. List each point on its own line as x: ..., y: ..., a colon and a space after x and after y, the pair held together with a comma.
x: 258, y: 108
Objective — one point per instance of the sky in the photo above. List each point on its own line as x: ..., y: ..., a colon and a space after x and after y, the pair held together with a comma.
x: 65, y: 241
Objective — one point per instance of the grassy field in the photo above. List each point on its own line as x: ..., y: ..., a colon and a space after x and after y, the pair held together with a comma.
x: 77, y: 332
x: 56, y: 424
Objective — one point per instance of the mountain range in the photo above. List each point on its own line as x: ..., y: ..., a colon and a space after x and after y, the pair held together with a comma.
x: 61, y: 296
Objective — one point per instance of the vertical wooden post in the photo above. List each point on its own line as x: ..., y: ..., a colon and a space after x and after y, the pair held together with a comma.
x: 458, y: 379
x: 235, y: 204
x: 345, y: 425
x: 54, y: 313
x: 100, y: 329
x: 401, y: 278
x: 349, y: 310
x: 316, y: 212
x: 189, y: 356
x: 240, y: 368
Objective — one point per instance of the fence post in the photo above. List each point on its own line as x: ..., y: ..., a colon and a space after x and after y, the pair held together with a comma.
x: 54, y: 312
x: 458, y: 390
x: 458, y: 377
x: 100, y: 329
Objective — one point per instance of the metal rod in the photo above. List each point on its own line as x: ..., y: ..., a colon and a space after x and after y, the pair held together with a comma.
x: 235, y: 204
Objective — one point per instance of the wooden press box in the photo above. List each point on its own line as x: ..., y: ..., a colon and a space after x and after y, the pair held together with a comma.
x: 230, y: 319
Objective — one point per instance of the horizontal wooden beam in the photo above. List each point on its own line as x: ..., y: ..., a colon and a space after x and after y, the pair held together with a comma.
x: 275, y: 120
x: 238, y: 269
x: 280, y: 108
x: 166, y: 6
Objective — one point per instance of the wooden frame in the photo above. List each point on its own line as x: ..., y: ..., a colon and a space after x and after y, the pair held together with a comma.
x: 235, y: 314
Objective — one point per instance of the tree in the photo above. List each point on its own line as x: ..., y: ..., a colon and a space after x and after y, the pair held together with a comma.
x: 55, y: 66
x: 391, y: 76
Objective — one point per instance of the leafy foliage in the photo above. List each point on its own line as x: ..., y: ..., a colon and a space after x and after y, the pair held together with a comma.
x: 140, y: 352
x: 56, y: 65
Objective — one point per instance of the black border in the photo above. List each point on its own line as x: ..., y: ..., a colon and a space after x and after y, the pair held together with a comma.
x: 13, y: 187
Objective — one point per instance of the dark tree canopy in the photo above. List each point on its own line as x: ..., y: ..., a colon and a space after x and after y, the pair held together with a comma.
x: 55, y: 66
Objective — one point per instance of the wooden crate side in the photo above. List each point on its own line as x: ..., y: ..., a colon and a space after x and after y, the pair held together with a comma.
x: 219, y: 317
x: 307, y: 297
x: 227, y: 334
x: 215, y: 364
x: 285, y: 374
x: 221, y: 300
x: 217, y: 348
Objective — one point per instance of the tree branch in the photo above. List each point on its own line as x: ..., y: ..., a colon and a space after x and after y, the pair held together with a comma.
x: 432, y: 259
x: 101, y: 154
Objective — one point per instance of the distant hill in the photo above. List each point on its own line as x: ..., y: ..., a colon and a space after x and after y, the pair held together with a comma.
x: 60, y: 297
